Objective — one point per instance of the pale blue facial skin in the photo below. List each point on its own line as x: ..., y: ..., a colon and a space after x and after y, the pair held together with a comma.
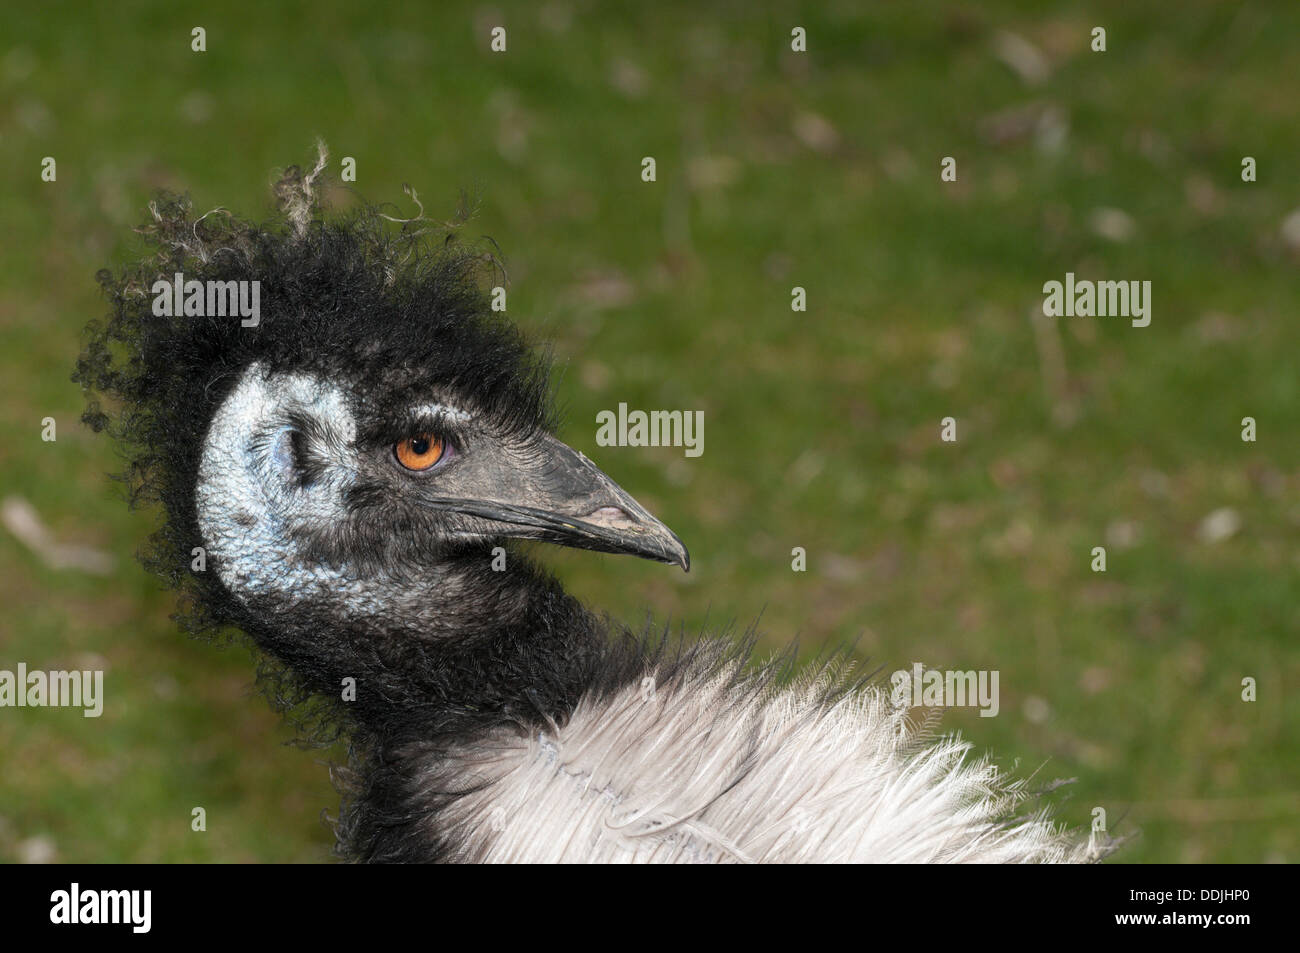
x: 248, y: 505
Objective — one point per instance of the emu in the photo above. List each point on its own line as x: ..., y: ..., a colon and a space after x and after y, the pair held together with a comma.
x: 348, y: 469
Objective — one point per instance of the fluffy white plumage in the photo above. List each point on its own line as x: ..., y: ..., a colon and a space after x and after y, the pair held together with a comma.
x: 711, y: 766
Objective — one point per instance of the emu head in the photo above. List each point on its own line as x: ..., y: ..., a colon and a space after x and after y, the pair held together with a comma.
x: 352, y: 487
x: 356, y: 455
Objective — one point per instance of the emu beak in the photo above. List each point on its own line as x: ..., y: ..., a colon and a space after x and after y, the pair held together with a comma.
x: 562, y: 497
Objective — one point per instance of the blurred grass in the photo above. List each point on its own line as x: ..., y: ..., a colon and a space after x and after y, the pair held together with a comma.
x: 774, y: 170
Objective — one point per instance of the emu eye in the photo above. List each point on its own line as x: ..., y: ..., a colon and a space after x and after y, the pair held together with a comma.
x: 419, y: 452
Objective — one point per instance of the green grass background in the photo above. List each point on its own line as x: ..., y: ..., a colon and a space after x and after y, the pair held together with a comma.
x: 774, y: 169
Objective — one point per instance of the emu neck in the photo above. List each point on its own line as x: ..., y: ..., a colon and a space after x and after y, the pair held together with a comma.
x: 454, y: 653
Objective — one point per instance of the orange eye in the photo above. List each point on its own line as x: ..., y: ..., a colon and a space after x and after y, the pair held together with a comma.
x: 419, y: 452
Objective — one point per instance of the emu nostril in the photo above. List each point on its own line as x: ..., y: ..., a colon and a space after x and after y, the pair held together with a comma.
x: 609, y: 514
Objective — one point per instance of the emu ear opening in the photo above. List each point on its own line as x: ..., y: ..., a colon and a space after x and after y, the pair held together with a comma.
x: 283, y: 455
x: 560, y: 496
